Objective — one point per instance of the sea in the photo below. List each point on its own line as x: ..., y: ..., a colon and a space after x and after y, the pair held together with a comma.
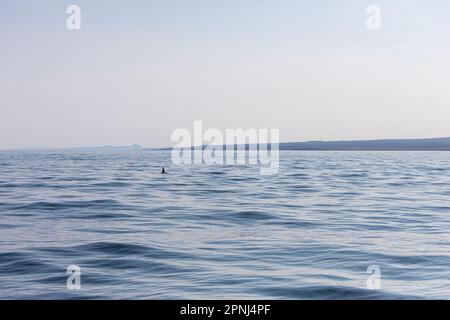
x: 328, y: 225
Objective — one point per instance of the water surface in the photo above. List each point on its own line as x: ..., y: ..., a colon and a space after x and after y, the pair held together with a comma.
x: 309, y: 232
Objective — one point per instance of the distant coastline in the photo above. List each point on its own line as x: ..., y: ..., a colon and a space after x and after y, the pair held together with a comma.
x: 430, y: 144
x: 427, y: 144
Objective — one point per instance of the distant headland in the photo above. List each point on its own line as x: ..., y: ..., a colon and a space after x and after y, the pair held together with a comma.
x: 99, y: 148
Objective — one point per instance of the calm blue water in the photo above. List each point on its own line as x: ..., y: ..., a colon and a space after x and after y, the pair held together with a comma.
x: 309, y: 232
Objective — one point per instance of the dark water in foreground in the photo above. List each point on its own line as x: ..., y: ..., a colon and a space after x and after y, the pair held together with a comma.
x: 309, y: 232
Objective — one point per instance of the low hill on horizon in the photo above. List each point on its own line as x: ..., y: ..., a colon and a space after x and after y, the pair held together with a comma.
x: 428, y: 144
x: 104, y: 147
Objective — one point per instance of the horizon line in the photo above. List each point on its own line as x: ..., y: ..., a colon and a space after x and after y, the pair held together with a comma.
x: 139, y: 146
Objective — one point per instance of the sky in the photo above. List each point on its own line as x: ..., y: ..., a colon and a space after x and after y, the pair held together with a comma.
x: 138, y: 70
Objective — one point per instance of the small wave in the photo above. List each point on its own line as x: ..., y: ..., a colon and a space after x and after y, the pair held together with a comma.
x: 47, y: 205
x: 329, y: 293
x: 250, y: 215
x: 22, y: 263
x: 121, y: 249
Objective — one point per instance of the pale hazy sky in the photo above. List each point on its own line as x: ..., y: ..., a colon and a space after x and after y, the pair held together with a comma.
x: 137, y: 70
